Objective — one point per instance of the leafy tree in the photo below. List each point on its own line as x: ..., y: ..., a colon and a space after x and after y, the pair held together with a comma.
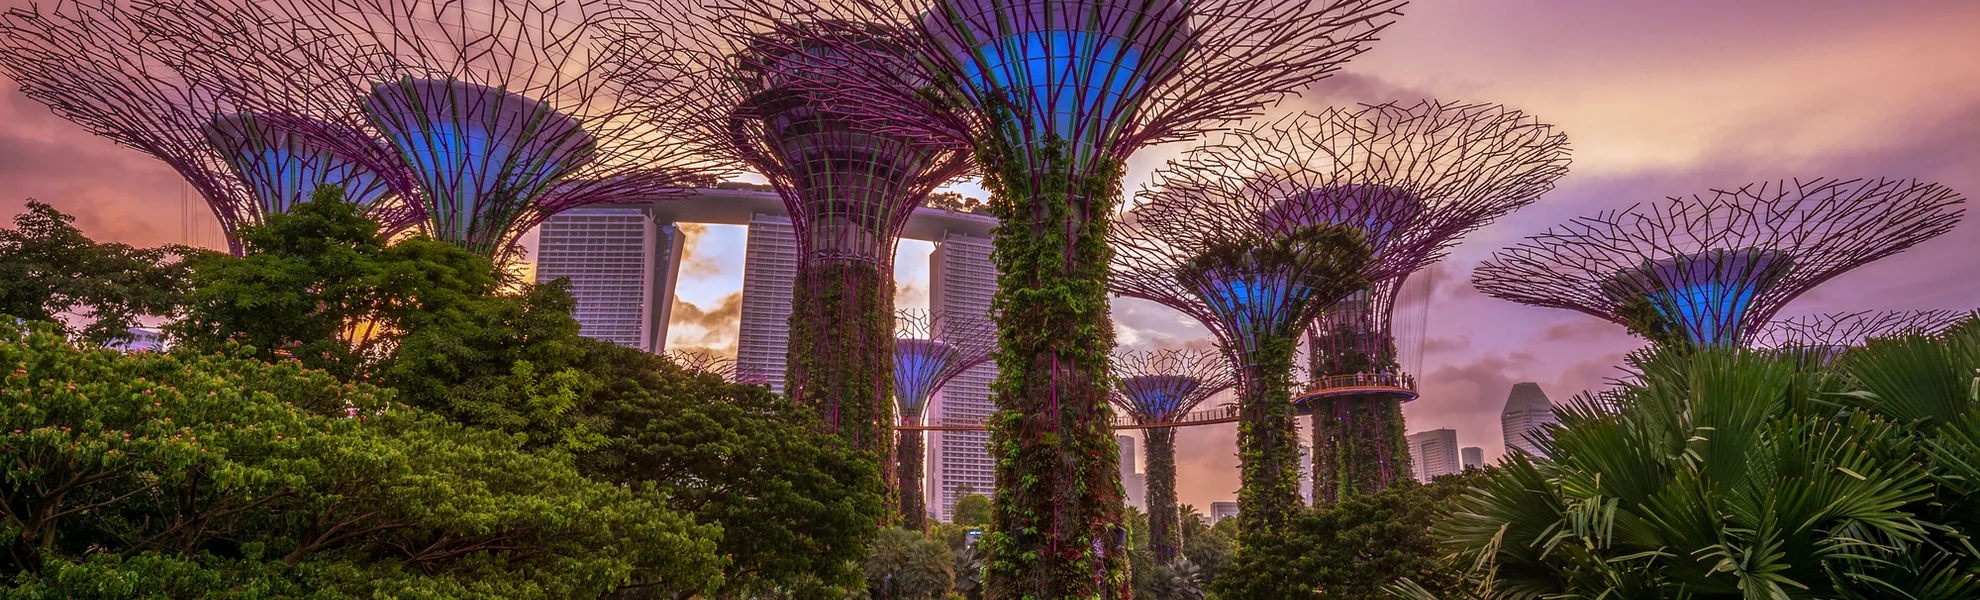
x: 1358, y: 547
x: 797, y: 508
x: 52, y: 269
x: 1723, y: 473
x: 972, y: 510
x: 903, y: 565
x: 320, y: 285
x: 211, y: 475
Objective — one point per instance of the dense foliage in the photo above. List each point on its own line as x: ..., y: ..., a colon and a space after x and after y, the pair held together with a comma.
x: 1355, y: 548
x: 766, y: 504
x: 903, y: 565
x: 1055, y: 529
x: 1723, y: 473
x: 213, y: 475
x: 54, y: 273
x: 841, y: 352
x: 320, y: 285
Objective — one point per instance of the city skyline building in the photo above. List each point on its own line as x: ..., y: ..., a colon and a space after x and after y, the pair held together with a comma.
x: 1434, y: 453
x: 1473, y: 457
x: 1527, y: 411
x: 1132, y: 479
x: 770, y: 265
x: 618, y: 261
x: 1222, y: 510
x: 961, y: 280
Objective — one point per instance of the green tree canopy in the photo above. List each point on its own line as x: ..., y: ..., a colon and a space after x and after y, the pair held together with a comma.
x: 972, y: 510
x: 51, y: 269
x: 188, y: 475
x: 903, y: 565
x: 797, y: 508
x: 320, y: 285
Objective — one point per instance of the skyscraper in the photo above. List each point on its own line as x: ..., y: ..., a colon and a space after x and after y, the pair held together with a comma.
x: 1132, y: 480
x: 1433, y: 453
x: 1222, y: 510
x: 769, y: 268
x: 961, y: 281
x: 621, y: 263
x: 1527, y: 410
x: 1474, y: 457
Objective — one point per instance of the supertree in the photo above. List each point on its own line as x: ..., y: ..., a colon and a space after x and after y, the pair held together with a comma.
x: 849, y: 190
x: 498, y: 114
x: 929, y: 350
x: 1712, y: 269
x: 1829, y: 333
x: 110, y: 66
x: 707, y: 361
x: 1157, y: 388
x: 1429, y: 173
x: 1052, y: 96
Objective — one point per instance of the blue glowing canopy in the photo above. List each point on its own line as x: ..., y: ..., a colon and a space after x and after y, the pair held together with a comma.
x: 1160, y: 397
x: 1709, y: 294
x: 282, y: 160
x: 1379, y: 211
x: 919, y: 366
x: 1075, y: 68
x: 482, y: 155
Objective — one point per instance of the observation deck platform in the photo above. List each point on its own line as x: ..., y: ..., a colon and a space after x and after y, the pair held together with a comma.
x: 1400, y: 385
x: 1208, y: 416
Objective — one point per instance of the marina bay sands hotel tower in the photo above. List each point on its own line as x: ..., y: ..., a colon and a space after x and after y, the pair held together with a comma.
x: 624, y: 260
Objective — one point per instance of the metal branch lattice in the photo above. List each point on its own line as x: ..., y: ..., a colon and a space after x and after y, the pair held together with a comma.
x: 1102, y: 78
x: 930, y: 348
x: 496, y: 115
x: 707, y: 361
x: 1718, y: 266
x: 114, y: 68
x: 1161, y: 387
x: 1164, y: 385
x: 1846, y: 329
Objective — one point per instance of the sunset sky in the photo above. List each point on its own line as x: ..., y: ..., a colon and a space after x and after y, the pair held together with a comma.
x: 1658, y: 98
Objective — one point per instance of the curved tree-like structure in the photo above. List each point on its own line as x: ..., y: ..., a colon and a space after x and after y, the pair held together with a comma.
x: 707, y: 361
x: 1160, y: 387
x: 498, y: 114
x: 1255, y: 282
x: 1712, y: 269
x: 849, y: 191
x: 111, y: 67
x: 1052, y: 96
x: 1413, y: 179
x: 929, y: 350
x: 1832, y: 332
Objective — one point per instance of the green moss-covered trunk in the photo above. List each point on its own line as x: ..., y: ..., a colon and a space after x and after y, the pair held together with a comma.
x: 841, y: 353
x: 1164, y: 537
x: 1359, y: 447
x: 1268, y: 446
x: 908, y: 454
x: 1055, y: 522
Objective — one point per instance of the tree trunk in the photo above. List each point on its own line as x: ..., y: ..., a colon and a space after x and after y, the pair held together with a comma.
x: 1359, y: 447
x: 914, y: 513
x: 1163, y: 534
x: 1268, y: 450
x: 841, y: 353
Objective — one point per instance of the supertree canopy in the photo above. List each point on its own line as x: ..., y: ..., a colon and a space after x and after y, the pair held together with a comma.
x: 1156, y: 388
x: 1828, y: 334
x: 1052, y: 96
x: 1712, y: 269
x: 707, y: 361
x: 931, y: 349
x: 119, y: 70
x: 1413, y: 179
x: 1255, y: 284
x: 498, y: 115
x: 849, y: 190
